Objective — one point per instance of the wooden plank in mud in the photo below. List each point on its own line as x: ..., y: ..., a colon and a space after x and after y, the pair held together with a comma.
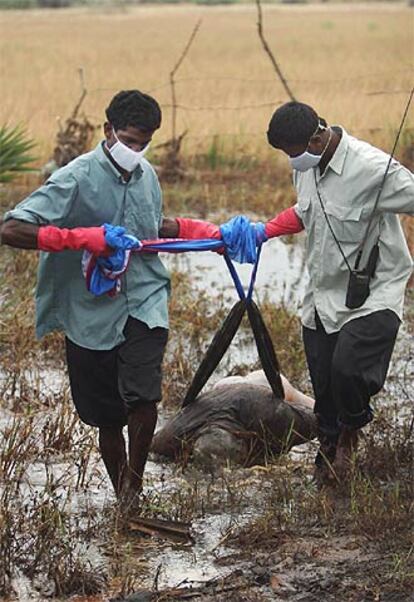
x: 176, y: 530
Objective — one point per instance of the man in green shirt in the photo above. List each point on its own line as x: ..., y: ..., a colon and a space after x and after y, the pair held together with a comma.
x: 114, y: 345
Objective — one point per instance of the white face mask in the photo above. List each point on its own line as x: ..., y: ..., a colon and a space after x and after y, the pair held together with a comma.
x: 124, y: 156
x: 308, y: 160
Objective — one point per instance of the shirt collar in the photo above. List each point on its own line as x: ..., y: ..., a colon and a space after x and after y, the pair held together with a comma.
x: 338, y: 158
x: 108, y: 166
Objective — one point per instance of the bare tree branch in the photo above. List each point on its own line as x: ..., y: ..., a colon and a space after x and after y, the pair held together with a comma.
x: 172, y: 80
x: 269, y: 52
x: 83, y: 93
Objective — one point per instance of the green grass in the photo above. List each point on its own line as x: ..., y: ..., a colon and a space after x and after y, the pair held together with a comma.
x: 15, y: 157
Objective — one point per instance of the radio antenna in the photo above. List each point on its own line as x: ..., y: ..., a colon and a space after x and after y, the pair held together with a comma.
x: 361, y: 246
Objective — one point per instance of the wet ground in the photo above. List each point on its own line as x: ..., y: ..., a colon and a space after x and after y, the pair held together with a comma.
x: 281, y: 274
x: 230, y: 508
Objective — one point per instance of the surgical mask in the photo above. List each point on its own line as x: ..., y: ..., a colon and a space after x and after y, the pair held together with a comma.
x: 308, y: 160
x: 124, y: 156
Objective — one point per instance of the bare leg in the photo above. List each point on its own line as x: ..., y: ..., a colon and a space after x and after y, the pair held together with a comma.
x: 112, y: 448
x: 141, y: 426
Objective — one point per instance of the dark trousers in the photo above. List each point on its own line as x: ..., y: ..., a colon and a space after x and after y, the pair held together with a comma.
x: 107, y: 385
x: 348, y: 367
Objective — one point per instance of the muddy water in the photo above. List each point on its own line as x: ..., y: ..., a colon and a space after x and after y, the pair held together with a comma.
x: 282, y: 277
x: 281, y: 274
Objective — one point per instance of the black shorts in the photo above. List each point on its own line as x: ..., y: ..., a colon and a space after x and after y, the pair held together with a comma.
x: 107, y: 385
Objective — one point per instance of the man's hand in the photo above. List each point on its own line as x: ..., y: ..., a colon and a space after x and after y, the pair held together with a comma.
x: 196, y: 229
x: 241, y: 239
x: 260, y: 231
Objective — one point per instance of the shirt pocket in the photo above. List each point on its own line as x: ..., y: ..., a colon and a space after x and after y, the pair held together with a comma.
x: 303, y: 206
x: 346, y: 222
x: 141, y: 216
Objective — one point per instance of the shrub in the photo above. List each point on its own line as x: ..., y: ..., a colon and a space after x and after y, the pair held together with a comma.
x: 14, y: 152
x: 53, y: 3
x: 17, y: 4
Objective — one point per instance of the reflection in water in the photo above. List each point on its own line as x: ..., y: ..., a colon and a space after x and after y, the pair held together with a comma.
x: 281, y: 278
x: 281, y: 274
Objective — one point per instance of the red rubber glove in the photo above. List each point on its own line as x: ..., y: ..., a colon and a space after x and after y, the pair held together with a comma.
x: 51, y: 238
x: 286, y: 222
x: 194, y: 229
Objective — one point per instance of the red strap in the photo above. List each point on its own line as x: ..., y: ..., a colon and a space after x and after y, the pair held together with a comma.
x: 286, y: 222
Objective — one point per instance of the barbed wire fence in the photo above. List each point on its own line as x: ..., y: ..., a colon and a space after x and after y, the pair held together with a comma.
x: 172, y: 164
x: 398, y: 90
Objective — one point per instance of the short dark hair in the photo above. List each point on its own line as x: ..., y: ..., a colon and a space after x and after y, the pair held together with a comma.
x: 134, y: 108
x: 292, y: 123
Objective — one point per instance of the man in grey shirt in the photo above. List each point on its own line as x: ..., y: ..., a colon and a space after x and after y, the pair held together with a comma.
x: 114, y: 344
x: 348, y: 350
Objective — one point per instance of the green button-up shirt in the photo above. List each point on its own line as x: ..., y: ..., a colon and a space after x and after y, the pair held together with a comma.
x: 90, y: 191
x: 348, y: 190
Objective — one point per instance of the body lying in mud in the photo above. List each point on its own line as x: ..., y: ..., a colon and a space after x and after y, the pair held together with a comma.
x: 238, y: 421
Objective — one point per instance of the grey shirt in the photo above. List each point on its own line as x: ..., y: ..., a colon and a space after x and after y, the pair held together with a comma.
x: 90, y: 191
x: 348, y: 189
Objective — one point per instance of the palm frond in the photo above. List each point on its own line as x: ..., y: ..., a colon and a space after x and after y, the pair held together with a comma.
x: 15, y: 156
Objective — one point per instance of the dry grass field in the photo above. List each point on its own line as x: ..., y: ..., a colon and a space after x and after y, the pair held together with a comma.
x: 263, y: 533
x: 354, y: 63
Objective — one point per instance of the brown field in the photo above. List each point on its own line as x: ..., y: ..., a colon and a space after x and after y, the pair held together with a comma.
x: 61, y: 534
x: 354, y: 63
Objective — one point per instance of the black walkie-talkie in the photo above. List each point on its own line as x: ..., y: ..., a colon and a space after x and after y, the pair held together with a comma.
x: 358, y: 289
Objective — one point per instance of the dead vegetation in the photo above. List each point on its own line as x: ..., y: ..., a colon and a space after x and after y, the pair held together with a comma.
x: 74, y: 137
x: 225, y: 69
x: 289, y: 540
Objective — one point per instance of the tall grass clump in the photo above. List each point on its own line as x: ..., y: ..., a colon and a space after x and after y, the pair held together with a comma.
x: 41, y: 540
